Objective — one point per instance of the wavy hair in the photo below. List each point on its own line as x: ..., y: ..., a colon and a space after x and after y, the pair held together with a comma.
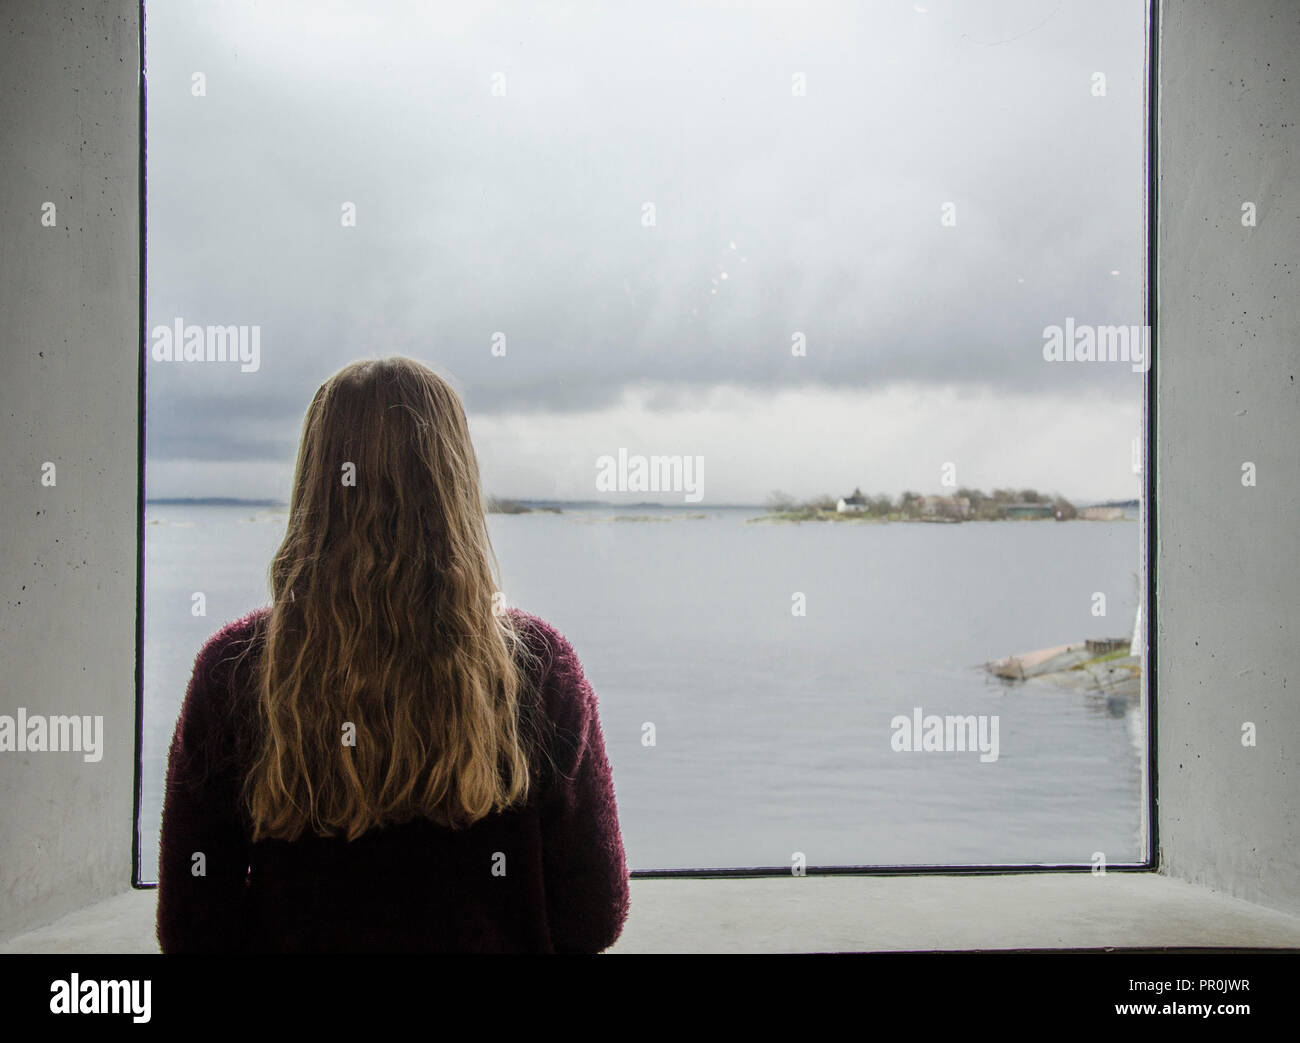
x: 390, y: 685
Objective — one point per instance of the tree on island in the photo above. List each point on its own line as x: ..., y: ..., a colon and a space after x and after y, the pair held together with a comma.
x: 992, y: 506
x: 1065, y: 510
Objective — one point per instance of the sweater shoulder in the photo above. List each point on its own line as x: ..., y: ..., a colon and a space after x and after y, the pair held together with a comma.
x: 226, y: 647
x: 221, y: 672
x: 557, y: 671
x: 206, y: 744
x: 555, y: 658
x: 236, y: 633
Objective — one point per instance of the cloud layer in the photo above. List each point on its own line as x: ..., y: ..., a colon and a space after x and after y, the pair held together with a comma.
x: 500, y: 160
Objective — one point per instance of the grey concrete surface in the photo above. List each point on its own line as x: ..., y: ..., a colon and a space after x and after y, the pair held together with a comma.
x: 842, y: 914
x: 1228, y: 561
x: 1228, y: 383
x: 69, y: 302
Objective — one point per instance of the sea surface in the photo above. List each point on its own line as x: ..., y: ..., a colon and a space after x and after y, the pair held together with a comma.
x: 772, y: 731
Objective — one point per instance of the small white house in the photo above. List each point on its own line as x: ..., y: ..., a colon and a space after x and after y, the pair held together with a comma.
x: 852, y: 503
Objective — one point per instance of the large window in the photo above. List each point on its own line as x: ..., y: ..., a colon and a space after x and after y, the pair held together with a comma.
x: 804, y: 350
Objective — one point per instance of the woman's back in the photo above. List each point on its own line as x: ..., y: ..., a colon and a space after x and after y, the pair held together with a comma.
x: 548, y: 876
x: 384, y: 759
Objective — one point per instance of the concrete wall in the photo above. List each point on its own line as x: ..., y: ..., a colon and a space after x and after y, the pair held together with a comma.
x: 1228, y: 392
x: 1229, y: 352
x: 69, y: 304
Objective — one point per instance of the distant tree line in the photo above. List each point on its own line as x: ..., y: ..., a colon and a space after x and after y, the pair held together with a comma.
x: 984, y: 506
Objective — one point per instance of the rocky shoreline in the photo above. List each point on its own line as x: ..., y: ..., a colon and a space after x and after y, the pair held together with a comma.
x: 1102, y: 667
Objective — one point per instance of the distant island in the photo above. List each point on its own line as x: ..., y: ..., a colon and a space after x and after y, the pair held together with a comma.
x: 965, y: 505
x: 497, y: 505
x: 212, y: 501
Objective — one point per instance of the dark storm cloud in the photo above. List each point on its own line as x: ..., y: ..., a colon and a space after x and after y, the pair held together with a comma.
x: 522, y: 214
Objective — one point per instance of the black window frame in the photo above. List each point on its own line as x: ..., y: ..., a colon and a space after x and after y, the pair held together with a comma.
x: 1149, y: 864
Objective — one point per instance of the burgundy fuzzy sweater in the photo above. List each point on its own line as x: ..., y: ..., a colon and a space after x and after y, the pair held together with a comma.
x: 417, y: 887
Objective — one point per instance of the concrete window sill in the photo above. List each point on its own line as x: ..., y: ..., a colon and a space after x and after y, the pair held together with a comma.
x: 843, y: 914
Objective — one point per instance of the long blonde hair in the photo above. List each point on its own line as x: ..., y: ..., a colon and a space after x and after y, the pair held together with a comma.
x: 389, y: 685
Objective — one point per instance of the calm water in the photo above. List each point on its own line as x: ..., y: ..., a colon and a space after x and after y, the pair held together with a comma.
x: 772, y: 731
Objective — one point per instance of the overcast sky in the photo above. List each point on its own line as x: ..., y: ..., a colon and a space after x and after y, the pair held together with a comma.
x: 500, y: 156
